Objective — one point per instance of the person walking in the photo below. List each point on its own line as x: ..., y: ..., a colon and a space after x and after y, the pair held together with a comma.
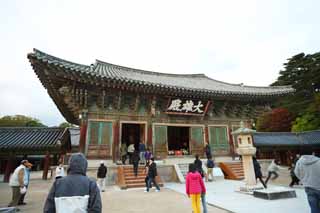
x: 207, y: 150
x: 124, y: 153
x: 147, y: 155
x: 17, y: 183
x: 26, y: 180
x: 308, y: 171
x: 142, y: 150
x: 210, y: 166
x: 273, y: 170
x: 257, y: 171
x: 135, y: 162
x: 101, y: 175
x: 194, y: 187
x: 198, y: 165
x: 152, y: 173
x: 294, y: 178
x: 60, y: 171
x: 75, y: 192
x: 130, y: 152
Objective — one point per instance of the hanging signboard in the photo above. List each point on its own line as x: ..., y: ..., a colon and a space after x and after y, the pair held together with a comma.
x: 187, y: 107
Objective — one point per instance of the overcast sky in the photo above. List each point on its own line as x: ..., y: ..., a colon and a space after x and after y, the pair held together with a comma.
x: 233, y: 41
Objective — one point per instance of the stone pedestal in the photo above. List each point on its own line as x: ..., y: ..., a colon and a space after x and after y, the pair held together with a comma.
x: 249, y: 175
x: 275, y: 193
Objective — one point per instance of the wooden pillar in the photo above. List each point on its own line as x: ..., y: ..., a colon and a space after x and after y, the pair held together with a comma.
x: 9, y: 168
x: 46, y: 166
x: 149, y: 141
x: 231, y: 144
x: 83, y: 135
x: 116, y: 138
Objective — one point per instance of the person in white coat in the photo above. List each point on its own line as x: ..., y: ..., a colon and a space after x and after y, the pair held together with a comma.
x: 17, y: 183
x: 60, y: 171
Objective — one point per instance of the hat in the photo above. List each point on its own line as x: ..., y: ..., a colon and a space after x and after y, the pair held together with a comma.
x: 26, y: 163
x: 101, y: 162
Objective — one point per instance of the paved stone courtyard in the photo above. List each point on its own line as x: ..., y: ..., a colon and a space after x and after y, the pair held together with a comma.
x: 114, y: 200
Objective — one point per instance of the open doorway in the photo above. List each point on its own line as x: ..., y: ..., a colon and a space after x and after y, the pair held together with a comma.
x: 133, y: 133
x: 178, y: 139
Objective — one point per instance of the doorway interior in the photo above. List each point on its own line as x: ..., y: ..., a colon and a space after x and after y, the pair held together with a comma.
x: 133, y: 133
x: 178, y: 138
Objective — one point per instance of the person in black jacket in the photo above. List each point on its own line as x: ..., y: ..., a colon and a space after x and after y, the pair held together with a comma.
x: 198, y: 164
x: 101, y: 175
x: 76, y: 188
x: 257, y: 171
x: 135, y: 161
x: 152, y: 173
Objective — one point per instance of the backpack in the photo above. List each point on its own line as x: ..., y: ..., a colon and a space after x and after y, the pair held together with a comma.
x: 210, y: 164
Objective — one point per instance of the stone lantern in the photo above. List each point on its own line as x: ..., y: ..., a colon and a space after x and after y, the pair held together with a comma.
x: 246, y: 150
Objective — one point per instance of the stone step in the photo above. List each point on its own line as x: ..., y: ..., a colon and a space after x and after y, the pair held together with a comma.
x: 135, y: 181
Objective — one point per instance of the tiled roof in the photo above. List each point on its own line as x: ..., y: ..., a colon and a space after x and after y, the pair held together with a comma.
x: 188, y: 82
x: 286, y: 138
x: 31, y: 138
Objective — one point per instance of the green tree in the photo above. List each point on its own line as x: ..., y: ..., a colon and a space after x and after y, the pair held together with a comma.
x: 20, y: 121
x: 310, y: 119
x: 302, y: 72
x: 66, y: 124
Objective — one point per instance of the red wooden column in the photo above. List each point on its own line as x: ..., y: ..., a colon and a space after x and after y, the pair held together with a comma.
x: 9, y: 169
x: 231, y: 144
x: 116, y: 138
x: 83, y: 135
x: 206, y: 137
x: 149, y: 141
x: 46, y: 166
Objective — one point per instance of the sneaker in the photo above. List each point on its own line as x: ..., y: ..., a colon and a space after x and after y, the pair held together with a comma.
x: 157, y: 190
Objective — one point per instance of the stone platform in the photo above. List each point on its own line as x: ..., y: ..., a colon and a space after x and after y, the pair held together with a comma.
x: 275, y: 193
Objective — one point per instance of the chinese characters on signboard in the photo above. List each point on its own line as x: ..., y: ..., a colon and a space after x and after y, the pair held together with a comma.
x: 178, y: 106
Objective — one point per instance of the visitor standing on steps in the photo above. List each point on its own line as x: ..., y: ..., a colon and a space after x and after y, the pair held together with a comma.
x: 142, y: 150
x: 135, y: 162
x: 124, y: 153
x: 101, y: 175
x: 130, y: 152
x: 194, y: 187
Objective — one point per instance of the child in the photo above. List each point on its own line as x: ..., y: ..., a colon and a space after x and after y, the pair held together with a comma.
x: 194, y: 187
x: 272, y: 170
x: 210, y: 166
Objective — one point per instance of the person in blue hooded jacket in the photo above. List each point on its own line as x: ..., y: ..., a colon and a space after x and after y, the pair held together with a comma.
x: 74, y: 192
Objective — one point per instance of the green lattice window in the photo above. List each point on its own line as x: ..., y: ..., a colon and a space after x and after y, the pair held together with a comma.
x: 218, y: 137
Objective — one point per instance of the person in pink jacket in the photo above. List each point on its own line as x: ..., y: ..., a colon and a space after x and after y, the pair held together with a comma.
x: 194, y: 188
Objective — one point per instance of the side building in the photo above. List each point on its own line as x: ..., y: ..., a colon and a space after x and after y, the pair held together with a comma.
x: 170, y: 113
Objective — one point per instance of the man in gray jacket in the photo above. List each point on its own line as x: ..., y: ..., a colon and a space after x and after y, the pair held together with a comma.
x: 308, y: 171
x: 74, y: 192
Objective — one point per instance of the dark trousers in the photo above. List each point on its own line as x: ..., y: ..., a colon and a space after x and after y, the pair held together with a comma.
x: 130, y: 157
x: 15, y: 196
x: 269, y: 176
x: 152, y: 180
x: 313, y: 196
x: 21, y: 200
x: 135, y: 168
x: 294, y: 180
x: 123, y: 159
x: 263, y: 183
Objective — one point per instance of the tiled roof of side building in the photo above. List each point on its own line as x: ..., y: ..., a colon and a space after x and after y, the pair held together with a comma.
x: 287, y: 138
x: 196, y: 82
x: 30, y: 138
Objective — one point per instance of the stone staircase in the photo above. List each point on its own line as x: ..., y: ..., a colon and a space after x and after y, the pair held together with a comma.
x: 127, y: 179
x: 232, y: 170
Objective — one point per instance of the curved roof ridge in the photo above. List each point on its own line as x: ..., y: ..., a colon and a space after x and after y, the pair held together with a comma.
x: 36, y: 51
x: 199, y: 75
x: 248, y: 86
